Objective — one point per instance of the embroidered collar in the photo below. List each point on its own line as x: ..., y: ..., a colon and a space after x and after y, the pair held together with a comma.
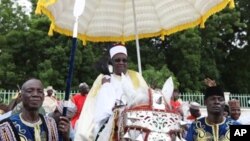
x: 39, y: 122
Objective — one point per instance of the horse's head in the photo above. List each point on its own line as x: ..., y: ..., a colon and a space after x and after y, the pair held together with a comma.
x: 152, y: 119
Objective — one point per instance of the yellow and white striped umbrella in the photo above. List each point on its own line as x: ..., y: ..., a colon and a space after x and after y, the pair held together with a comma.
x: 112, y: 20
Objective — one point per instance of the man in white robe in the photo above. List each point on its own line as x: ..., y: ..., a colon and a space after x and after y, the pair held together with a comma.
x: 105, y: 93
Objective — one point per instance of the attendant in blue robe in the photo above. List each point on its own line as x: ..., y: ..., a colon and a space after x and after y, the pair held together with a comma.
x: 29, y: 125
x: 214, y: 127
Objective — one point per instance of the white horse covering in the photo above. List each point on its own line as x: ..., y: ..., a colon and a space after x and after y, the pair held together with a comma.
x: 152, y: 121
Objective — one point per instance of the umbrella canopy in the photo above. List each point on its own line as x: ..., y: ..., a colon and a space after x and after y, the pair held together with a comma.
x: 113, y: 20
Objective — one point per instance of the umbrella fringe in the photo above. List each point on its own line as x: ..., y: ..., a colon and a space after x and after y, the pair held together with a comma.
x: 38, y: 9
x: 231, y: 4
x: 162, y: 37
x: 51, y: 29
x: 43, y: 3
x: 84, y: 42
x: 202, y: 25
x: 216, y: 9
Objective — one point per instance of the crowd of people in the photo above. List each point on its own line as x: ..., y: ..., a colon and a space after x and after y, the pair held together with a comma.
x: 36, y: 113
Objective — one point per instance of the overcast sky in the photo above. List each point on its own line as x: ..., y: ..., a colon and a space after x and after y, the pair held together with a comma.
x: 25, y: 4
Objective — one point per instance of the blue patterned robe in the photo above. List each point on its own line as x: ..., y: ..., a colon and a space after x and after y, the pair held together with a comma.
x: 16, y: 129
x: 200, y: 130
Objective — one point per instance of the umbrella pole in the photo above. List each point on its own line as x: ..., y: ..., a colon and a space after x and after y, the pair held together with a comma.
x: 71, y: 67
x: 70, y: 74
x: 137, y: 39
x: 69, y: 79
x: 78, y: 10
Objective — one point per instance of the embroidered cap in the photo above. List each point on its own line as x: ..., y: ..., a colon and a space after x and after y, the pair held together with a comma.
x: 214, y: 90
x: 195, y: 105
x: 234, y: 103
x: 117, y: 49
x: 50, y: 88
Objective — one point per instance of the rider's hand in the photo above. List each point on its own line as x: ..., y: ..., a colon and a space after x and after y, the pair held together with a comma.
x: 106, y: 79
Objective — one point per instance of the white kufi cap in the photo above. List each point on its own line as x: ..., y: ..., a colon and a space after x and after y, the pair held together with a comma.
x: 83, y: 85
x: 195, y: 105
x: 117, y: 49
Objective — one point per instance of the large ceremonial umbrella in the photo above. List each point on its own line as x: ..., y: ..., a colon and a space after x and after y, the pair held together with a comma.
x: 124, y: 20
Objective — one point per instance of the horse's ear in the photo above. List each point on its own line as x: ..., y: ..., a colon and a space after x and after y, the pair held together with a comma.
x: 167, y: 89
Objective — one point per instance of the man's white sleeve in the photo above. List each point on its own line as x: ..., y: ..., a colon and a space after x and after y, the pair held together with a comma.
x: 105, y: 101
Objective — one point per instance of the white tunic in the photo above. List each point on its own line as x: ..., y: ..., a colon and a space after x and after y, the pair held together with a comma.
x: 99, y: 103
x: 109, y: 94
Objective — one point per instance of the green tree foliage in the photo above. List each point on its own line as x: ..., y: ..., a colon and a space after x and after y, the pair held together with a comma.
x: 157, y: 77
x: 219, y: 43
x: 219, y: 51
x: 236, y: 73
x: 12, y: 20
x: 183, y: 57
x: 11, y: 17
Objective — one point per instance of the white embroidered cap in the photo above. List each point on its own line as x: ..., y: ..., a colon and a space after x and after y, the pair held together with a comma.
x: 117, y: 49
x: 83, y: 85
x: 50, y: 88
x: 195, y: 105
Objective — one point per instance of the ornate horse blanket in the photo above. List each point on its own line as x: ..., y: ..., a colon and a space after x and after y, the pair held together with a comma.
x: 151, y: 121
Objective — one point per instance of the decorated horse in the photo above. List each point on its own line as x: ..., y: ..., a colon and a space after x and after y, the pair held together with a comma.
x: 146, y: 117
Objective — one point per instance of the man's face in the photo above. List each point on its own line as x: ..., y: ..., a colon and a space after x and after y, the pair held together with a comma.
x: 84, y: 90
x: 215, y: 104
x: 49, y: 92
x: 195, y: 112
x: 235, y: 112
x: 175, y: 95
x: 32, y: 95
x: 120, y: 63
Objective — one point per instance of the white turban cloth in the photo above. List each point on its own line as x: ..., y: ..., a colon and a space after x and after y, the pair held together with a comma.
x: 117, y: 49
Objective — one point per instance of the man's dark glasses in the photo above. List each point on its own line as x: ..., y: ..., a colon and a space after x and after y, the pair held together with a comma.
x: 119, y: 60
